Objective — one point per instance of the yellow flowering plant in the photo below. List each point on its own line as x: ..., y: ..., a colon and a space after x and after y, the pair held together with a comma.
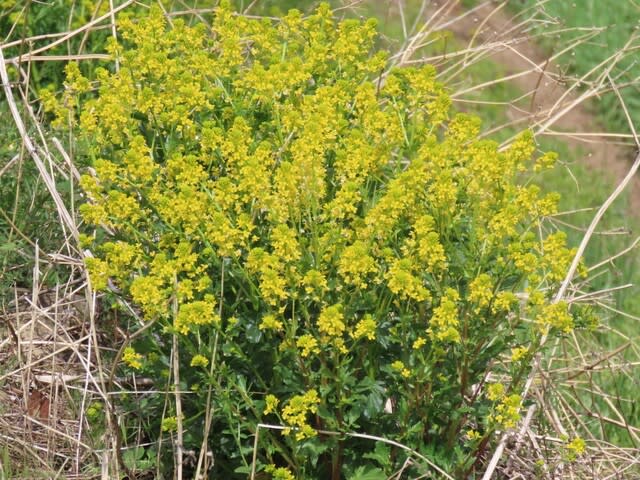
x: 320, y: 235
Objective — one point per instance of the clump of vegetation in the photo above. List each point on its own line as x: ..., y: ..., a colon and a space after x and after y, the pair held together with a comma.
x: 309, y: 238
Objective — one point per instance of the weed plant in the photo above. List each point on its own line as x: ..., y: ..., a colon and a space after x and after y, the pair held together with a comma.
x: 309, y: 237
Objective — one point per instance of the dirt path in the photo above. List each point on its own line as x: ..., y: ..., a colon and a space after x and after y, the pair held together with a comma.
x: 544, y: 88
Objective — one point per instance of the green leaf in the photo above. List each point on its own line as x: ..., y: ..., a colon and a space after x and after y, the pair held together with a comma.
x: 374, y: 405
x: 368, y: 473
x: 8, y: 247
x: 381, y: 454
x: 313, y: 449
x: 133, y: 456
x: 253, y: 334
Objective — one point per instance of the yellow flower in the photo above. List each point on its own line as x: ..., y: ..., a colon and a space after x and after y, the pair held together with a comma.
x: 273, y: 285
x: 519, y: 353
x: 132, y: 358
x: 123, y: 208
x: 536, y: 298
x: 308, y: 345
x: 443, y: 326
x: 98, y: 271
x: 503, y: 302
x: 429, y: 250
x: 365, y: 328
x: 138, y: 162
x: 340, y: 345
x: 419, y: 343
x: 106, y: 171
x: 443, y: 193
x: 331, y: 321
x: 199, y: 361
x: 199, y: 312
x: 271, y: 402
x: 402, y: 281
x: 285, y: 245
x: 546, y: 161
x: 295, y: 413
x: 398, y: 366
x: 169, y: 424
x: 121, y: 257
x: 356, y: 264
x: 151, y: 294
x: 279, y: 473
x: 315, y: 284
x: 495, y: 391
x: 473, y: 435
x: 481, y: 291
x: 506, y: 414
x: 555, y: 315
x: 556, y: 257
x: 575, y: 448
x: 270, y: 322
x: 522, y: 148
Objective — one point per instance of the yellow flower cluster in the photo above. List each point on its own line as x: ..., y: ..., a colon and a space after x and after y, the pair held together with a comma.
x: 63, y: 109
x: 575, y: 448
x: 169, y: 424
x: 273, y: 284
x: 132, y: 358
x: 270, y: 322
x: 419, y: 343
x: 495, y: 391
x: 307, y: 345
x: 519, y: 353
x: 503, y: 302
x: 295, y: 414
x: 556, y: 257
x: 399, y: 367
x: 271, y: 403
x: 356, y: 264
x: 546, y: 161
x: 151, y: 293
x: 199, y: 312
x: 331, y: 321
x: 279, y: 473
x: 425, y: 242
x: 315, y: 173
x: 199, y: 361
x: 365, y: 328
x: 285, y: 245
x: 555, y: 315
x: 98, y: 271
x: 315, y: 284
x: 473, y: 435
x: 402, y: 280
x: 505, y: 412
x: 443, y: 326
x: 481, y: 291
